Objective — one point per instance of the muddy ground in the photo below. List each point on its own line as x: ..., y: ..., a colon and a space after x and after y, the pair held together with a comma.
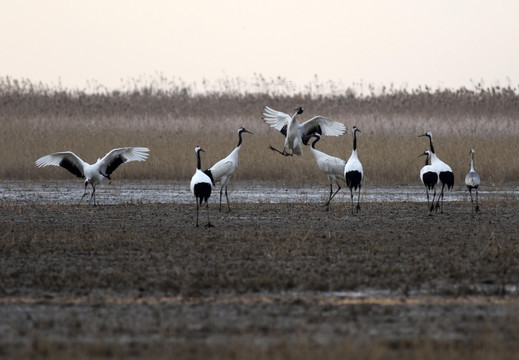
x: 268, y: 281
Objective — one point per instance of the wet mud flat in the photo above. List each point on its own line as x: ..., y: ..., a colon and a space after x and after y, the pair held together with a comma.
x: 284, y: 280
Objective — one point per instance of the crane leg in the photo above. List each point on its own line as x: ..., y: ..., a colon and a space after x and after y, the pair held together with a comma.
x: 93, y: 196
x: 441, y: 209
x: 358, y: 200
x: 351, y: 194
x: 208, y: 221
x: 227, y: 198
x: 432, y: 203
x: 477, y: 202
x: 284, y: 153
x: 221, y: 189
x: 196, y: 200
x: 332, y: 195
x: 471, y: 202
x: 84, y: 194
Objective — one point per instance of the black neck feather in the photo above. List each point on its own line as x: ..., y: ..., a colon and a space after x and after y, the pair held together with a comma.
x: 198, y: 162
x: 431, y: 144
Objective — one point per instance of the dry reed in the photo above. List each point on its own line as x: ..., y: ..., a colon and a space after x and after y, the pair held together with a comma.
x: 36, y: 120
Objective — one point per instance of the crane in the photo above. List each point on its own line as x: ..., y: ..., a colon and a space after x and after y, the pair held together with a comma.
x: 94, y: 174
x: 201, y: 186
x: 298, y: 134
x: 331, y: 166
x: 429, y: 177
x: 353, y: 172
x: 223, y: 169
x: 472, y: 181
x: 445, y: 174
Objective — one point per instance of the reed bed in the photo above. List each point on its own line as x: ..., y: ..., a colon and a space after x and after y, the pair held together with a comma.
x: 37, y: 120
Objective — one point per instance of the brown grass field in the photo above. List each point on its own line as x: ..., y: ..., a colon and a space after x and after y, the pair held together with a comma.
x: 269, y: 281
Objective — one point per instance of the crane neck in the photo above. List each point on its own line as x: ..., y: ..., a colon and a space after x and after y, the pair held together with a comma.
x: 427, y: 160
x: 355, y: 140
x: 198, y: 161
x: 472, y: 163
x: 317, y: 138
x: 431, y: 144
x: 293, y: 120
x: 239, y: 139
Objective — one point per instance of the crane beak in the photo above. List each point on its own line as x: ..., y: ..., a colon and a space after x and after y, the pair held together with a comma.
x: 247, y: 131
x: 422, y: 135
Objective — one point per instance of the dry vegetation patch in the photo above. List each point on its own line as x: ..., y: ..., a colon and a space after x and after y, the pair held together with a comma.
x: 37, y: 121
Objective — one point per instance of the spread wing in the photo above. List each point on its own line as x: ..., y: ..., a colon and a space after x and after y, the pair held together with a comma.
x: 116, y: 157
x: 322, y: 125
x: 276, y: 119
x: 66, y: 159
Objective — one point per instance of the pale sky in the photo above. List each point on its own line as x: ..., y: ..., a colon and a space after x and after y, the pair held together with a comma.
x: 439, y: 43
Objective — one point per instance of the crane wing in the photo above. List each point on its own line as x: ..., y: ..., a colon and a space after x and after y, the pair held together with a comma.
x: 222, y: 168
x: 334, y: 165
x: 276, y: 119
x: 116, y: 157
x: 65, y: 159
x: 322, y: 125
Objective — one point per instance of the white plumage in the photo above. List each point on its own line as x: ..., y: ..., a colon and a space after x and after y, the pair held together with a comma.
x: 201, y: 186
x: 223, y: 169
x: 297, y: 135
x: 353, y: 172
x: 331, y: 166
x: 445, y: 174
x: 94, y: 174
x: 472, y: 181
x: 430, y: 178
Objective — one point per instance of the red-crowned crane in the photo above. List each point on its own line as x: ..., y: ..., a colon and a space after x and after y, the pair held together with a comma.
x: 94, y: 174
x: 223, y: 169
x: 201, y: 186
x: 430, y: 178
x: 331, y: 166
x: 298, y: 134
x: 353, y: 172
x: 472, y: 181
x: 445, y: 173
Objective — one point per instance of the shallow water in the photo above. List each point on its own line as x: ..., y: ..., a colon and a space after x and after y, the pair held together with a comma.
x: 121, y: 192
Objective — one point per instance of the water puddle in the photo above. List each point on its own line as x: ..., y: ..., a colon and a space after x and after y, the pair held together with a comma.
x: 147, y: 192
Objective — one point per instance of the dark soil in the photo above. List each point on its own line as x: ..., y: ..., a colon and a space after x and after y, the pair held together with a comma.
x: 268, y: 281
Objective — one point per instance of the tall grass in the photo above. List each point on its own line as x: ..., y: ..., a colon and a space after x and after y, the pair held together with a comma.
x: 36, y: 120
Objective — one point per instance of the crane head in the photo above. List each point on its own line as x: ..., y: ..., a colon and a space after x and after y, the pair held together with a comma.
x: 198, y: 148
x: 426, y: 153
x: 355, y: 128
x: 472, y: 151
x: 243, y: 130
x: 428, y: 134
x: 299, y: 110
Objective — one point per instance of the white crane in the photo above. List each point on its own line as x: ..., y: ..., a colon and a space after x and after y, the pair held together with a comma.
x: 94, y: 174
x: 446, y: 176
x: 201, y: 186
x: 472, y: 181
x: 331, y: 166
x: 223, y: 169
x: 353, y: 172
x: 298, y: 134
x: 430, y: 178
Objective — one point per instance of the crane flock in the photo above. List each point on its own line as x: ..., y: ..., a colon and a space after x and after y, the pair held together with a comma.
x: 351, y: 172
